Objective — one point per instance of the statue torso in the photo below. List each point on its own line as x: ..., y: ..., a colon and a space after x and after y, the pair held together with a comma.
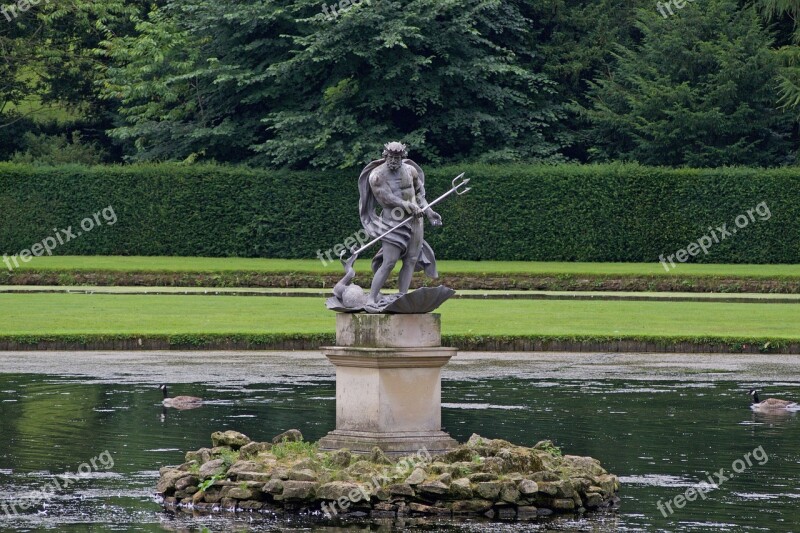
x: 401, y: 181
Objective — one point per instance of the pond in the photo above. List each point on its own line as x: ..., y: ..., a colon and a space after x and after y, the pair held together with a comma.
x: 662, y: 423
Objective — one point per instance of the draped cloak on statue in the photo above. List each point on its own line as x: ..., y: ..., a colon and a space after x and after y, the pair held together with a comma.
x: 375, y: 225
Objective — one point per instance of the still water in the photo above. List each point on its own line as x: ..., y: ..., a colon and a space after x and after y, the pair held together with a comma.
x: 74, y: 418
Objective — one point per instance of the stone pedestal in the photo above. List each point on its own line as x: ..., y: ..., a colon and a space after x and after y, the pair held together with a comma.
x: 388, y: 384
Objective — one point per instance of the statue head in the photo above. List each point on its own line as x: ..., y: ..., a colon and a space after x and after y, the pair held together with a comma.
x: 394, y: 152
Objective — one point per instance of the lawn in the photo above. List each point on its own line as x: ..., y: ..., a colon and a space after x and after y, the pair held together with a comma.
x: 71, y: 314
x: 314, y: 266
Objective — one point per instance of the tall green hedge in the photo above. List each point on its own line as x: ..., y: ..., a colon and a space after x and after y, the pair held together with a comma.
x: 567, y: 212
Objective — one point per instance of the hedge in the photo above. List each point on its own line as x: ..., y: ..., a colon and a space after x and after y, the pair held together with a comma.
x: 615, y: 212
x: 482, y: 343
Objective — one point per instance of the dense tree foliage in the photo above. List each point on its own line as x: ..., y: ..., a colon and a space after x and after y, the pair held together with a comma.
x: 49, y: 67
x: 697, y: 91
x: 786, y: 16
x: 309, y: 84
x: 576, y: 41
x: 278, y: 83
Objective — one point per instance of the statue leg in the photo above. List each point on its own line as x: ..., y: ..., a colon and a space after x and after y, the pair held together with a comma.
x: 406, y: 275
x: 391, y: 254
x: 411, y: 257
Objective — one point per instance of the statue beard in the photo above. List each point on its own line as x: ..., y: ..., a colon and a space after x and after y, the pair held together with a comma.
x: 394, y: 164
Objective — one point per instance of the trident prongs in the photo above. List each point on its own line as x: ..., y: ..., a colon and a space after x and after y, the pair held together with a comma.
x: 458, y: 184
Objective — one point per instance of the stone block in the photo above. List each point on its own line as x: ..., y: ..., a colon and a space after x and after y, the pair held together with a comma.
x: 388, y: 331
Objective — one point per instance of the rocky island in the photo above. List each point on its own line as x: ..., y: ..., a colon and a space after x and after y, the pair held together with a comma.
x: 489, y: 477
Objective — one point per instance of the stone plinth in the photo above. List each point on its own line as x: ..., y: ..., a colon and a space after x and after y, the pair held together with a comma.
x: 388, y: 384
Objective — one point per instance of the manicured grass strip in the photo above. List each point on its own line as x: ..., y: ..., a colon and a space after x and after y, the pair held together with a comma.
x: 314, y: 266
x: 620, y: 319
x: 77, y: 314
x: 283, y: 274
x: 461, y: 294
x: 177, y: 264
x: 460, y: 282
x: 158, y: 315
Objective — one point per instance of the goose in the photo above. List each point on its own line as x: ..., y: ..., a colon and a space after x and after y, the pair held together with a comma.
x: 771, y: 404
x: 180, y: 402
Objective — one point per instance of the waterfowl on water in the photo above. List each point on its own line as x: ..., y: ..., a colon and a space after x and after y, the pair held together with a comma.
x: 771, y: 404
x: 180, y: 402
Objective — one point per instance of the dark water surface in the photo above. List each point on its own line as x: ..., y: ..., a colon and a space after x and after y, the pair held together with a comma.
x: 660, y: 437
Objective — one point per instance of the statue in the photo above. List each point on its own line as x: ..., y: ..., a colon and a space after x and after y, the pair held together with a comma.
x: 397, y: 185
x: 391, y: 206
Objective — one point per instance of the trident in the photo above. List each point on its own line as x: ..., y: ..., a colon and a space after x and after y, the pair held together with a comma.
x: 459, y: 187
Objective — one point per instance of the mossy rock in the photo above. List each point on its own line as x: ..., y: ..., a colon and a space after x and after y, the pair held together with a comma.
x: 341, y: 458
x: 252, y: 449
x: 337, y: 489
x: 292, y: 435
x: 298, y: 490
x: 473, y: 506
x: 212, y: 468
x: 169, y: 479
x: 232, y: 439
x: 460, y: 489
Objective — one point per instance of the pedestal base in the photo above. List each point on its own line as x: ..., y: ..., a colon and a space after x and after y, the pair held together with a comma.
x: 388, y: 384
x: 391, y: 443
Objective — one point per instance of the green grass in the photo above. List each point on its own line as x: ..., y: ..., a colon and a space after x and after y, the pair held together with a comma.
x: 75, y: 314
x: 178, y: 264
x: 113, y: 314
x: 497, y: 294
x: 314, y: 266
x: 294, y: 449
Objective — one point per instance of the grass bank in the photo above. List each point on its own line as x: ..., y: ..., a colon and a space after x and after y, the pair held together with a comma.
x: 482, y: 275
x: 162, y: 321
x: 315, y: 266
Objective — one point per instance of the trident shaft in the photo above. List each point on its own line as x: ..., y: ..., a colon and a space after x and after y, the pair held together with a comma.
x: 459, y: 188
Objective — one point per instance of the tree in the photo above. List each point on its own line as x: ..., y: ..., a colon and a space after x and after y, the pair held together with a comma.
x: 192, y: 83
x: 277, y: 83
x: 48, y: 60
x: 576, y: 41
x: 697, y: 92
x: 788, y: 51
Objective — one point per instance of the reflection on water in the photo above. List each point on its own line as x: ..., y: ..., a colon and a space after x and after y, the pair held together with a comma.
x: 661, y: 439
